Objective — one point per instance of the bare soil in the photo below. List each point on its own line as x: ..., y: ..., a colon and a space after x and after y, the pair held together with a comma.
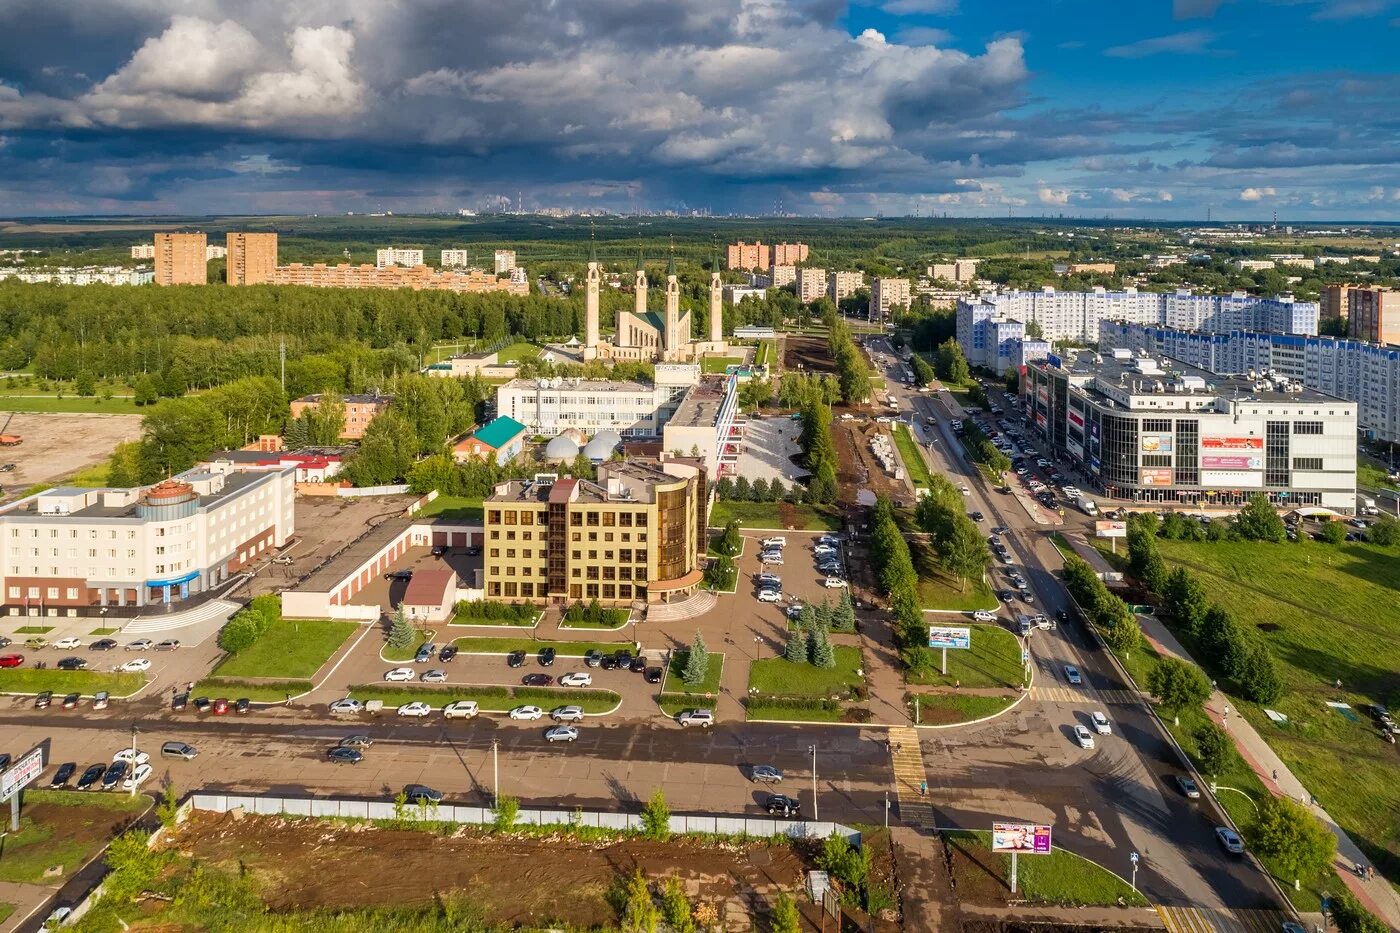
x: 808, y: 354
x: 304, y: 864
x: 56, y: 446
x: 857, y: 468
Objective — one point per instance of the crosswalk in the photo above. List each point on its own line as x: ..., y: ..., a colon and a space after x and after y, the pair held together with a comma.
x: 910, y: 776
x: 1083, y: 695
x: 1199, y: 920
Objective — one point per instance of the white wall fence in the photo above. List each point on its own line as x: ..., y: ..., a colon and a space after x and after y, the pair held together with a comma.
x: 373, y: 491
x: 355, y: 613
x: 631, y: 822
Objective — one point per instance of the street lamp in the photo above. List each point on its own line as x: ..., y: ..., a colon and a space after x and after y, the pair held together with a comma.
x: 495, y: 775
x: 134, y: 730
x: 813, y: 750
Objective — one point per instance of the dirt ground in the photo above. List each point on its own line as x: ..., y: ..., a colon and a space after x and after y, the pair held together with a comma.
x: 857, y: 468
x: 810, y: 354
x: 299, y: 864
x: 57, y: 445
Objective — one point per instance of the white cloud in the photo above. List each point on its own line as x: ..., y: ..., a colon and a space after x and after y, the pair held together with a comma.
x: 1256, y: 194
x: 192, y: 58
x: 1164, y: 195
x: 262, y: 164
x: 1190, y: 42
x: 1053, y: 196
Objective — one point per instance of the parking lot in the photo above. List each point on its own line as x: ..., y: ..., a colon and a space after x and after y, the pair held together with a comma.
x: 769, y: 446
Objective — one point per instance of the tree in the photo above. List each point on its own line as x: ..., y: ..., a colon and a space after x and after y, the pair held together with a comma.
x: 1258, y: 677
x: 758, y: 491
x: 1125, y: 636
x: 722, y: 574
x: 401, y: 634
x: 1177, y: 685
x: 950, y: 363
x: 1297, y: 841
x: 923, y: 372
x: 1334, y: 532
x: 843, y: 617
x: 675, y: 908
x: 1258, y: 521
x: 84, y: 384
x: 656, y: 817
x: 1351, y: 917
x: 785, y: 918
x: 845, y: 863
x: 505, y: 812
x: 1186, y: 599
x: 697, y: 662
x: 1219, y: 529
x: 325, y: 421
x: 1012, y: 379
x: 639, y: 913
x: 1214, y: 748
x: 823, y: 655
x: 145, y: 391
x: 1384, y: 531
x: 796, y: 648
x: 176, y: 435
x: 238, y: 634
x: 386, y: 453
x: 741, y: 489
x: 964, y: 551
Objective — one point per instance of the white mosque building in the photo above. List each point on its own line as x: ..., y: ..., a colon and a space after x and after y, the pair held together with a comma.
x: 643, y: 334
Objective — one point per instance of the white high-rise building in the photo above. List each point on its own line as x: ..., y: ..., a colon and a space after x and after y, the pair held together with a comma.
x: 505, y: 260
x: 455, y: 258
x: 393, y: 256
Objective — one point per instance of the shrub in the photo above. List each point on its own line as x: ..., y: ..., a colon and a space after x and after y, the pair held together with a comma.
x: 656, y: 817
x: 594, y: 614
x: 238, y: 633
x: 496, y: 611
x: 506, y: 810
x: 785, y: 918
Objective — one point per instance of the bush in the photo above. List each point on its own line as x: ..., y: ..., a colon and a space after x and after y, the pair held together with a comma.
x: 1297, y: 841
x: 595, y: 615
x: 656, y: 817
x: 497, y: 611
x: 506, y: 810
x: 639, y: 914
x: 785, y: 918
x: 675, y: 908
x: 1351, y: 917
x: 1334, y: 533
x: 1385, y: 532
x: 1258, y: 521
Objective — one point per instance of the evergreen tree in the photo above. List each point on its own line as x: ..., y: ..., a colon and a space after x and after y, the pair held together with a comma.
x: 822, y: 653
x: 401, y: 634
x: 821, y: 616
x: 697, y: 663
x: 741, y: 489
x: 843, y: 617
x: 796, y: 648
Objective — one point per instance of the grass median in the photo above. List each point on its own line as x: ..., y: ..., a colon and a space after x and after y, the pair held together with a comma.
x: 942, y: 709
x: 675, y: 675
x: 565, y: 649
x: 993, y: 660
x: 939, y: 589
x: 1060, y: 878
x: 775, y: 515
x: 289, y: 650
x: 409, y: 651
x: 490, y: 699
x: 28, y: 680
x: 259, y: 691
x: 779, y: 677
x: 913, y: 460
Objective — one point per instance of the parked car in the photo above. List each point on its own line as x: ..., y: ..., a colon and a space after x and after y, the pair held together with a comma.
x: 537, y: 680
x: 399, y: 675
x: 822, y: 549
x: 982, y: 615
x: 114, y: 774
x: 138, y: 777
x: 775, y: 543
x: 546, y: 657
x: 132, y: 758
x: 342, y: 755
x: 783, y: 805
x: 1084, y: 737
x: 696, y: 717
x: 526, y: 712
x: 68, y: 644
x: 1229, y: 840
x: 421, y: 795
x: 567, y: 714
x: 64, y: 774
x: 769, y: 596
x: 576, y: 679
x: 515, y: 659
x: 140, y: 644
x: 103, y: 644
x: 242, y: 705
x: 201, y: 704
x: 436, y: 676
x: 638, y: 665
x: 767, y: 774
x: 402, y: 576
x: 91, y: 776
x: 425, y: 654
x: 71, y: 700
x: 72, y: 664
x: 220, y: 706
x: 793, y: 611
x: 417, y: 708
x: 100, y: 699
x: 1187, y: 786
x: 11, y: 660
x: 179, y: 702
x: 653, y: 675
x: 834, y: 583
x: 439, y: 550
x: 460, y: 709
x: 1072, y: 675
x: 561, y: 734
x: 170, y: 644
x: 347, y: 705
x: 607, y: 662
x: 136, y: 666
x: 43, y: 700
x: 447, y: 653
x: 767, y: 580
x: 1100, y: 723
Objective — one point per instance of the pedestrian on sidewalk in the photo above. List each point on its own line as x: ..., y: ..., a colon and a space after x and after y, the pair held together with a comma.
x: 957, y: 685
x: 923, y: 788
x: 1276, y: 775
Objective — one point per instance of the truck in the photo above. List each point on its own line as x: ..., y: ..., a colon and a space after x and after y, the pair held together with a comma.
x: 1365, y: 505
x: 1086, y: 505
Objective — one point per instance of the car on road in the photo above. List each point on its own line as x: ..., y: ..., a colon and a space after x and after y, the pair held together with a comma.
x: 982, y: 615
x: 399, y: 675
x: 421, y: 795
x: 1229, y: 840
x: 1100, y: 723
x: 68, y: 644
x: 567, y: 714
x: 347, y: 705
x: 417, y: 708
x: 576, y: 679
x: 1072, y: 676
x: 356, y: 741
x: 833, y: 583
x: 546, y: 657
x: 653, y: 675
x: 976, y: 516
x: 425, y: 654
x: 71, y: 700
x: 696, y: 717
x: 72, y: 664
x: 783, y: 805
x: 114, y: 774
x: 1084, y: 737
x: 962, y: 488
x: 1187, y: 786
x: 515, y: 659
x: 170, y: 644
x: 342, y: 755
x: 140, y: 644
x: 766, y: 774
x: 447, y: 653
x: 43, y: 700
x: 769, y: 596
x: 461, y: 709
x: 435, y: 676
x: 64, y: 774
x: 561, y: 734
x: 526, y: 712
x: 136, y: 666
x: 11, y: 660
x: 91, y: 776
x: 537, y: 680
x: 103, y: 644
x: 138, y: 777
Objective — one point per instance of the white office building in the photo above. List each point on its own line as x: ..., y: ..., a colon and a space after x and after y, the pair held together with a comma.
x: 393, y: 256
x: 632, y: 409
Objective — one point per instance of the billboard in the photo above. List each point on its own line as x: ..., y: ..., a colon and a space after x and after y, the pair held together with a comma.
x: 944, y: 636
x: 1157, y: 443
x: 1110, y: 529
x: 1054, y: 360
x: 1232, y: 463
x: 1026, y: 838
x: 21, y: 773
x: 1075, y: 450
x: 1155, y: 477
x: 1076, y: 419
x: 1232, y: 443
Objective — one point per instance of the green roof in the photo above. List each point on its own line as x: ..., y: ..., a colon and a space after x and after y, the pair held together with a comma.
x: 499, y: 432
x: 655, y: 319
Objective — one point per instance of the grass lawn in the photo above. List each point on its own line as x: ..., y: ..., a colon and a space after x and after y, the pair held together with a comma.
x: 714, y: 543
x: 34, y: 629
x: 5, y: 911
x: 407, y: 653
x: 70, y: 405
x: 776, y: 515
x: 28, y: 680
x: 766, y: 354
x: 1372, y: 473
x: 913, y: 461
x: 103, y: 632
x: 289, y: 650
x: 717, y: 364
x: 518, y: 351
x: 941, y: 590
x: 673, y: 703
x: 674, y: 682
x: 946, y: 708
x: 262, y: 691
x: 781, y: 677
x: 490, y: 699
x: 63, y: 828
x: 95, y: 475
x: 1328, y: 613
x: 1058, y: 878
x: 994, y: 660
x: 759, y: 710
x: 453, y: 508
x: 565, y: 649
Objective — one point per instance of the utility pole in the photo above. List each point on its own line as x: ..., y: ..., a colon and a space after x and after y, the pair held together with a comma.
x: 814, y: 782
x: 495, y: 775
x: 133, y: 759
x: 282, y: 359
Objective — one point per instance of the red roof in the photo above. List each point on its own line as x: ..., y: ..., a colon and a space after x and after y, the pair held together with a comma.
x: 428, y: 587
x: 562, y: 490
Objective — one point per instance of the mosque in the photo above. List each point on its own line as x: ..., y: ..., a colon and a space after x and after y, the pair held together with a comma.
x: 642, y: 334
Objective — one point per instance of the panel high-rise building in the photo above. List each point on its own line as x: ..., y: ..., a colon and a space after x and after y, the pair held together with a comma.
x: 180, y: 259
x: 811, y: 284
x: 252, y: 258
x: 1373, y: 314
x: 749, y: 256
x: 395, y: 256
x: 1333, y: 302
x: 789, y: 254
x: 505, y: 260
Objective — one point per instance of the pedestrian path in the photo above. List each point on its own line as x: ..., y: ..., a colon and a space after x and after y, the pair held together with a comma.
x: 1083, y: 695
x: 910, y: 778
x: 1198, y: 920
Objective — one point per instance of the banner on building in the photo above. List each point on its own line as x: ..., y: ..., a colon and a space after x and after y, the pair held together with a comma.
x: 1232, y: 463
x: 1157, y: 443
x: 1076, y: 419
x: 1157, y: 477
x: 1232, y: 443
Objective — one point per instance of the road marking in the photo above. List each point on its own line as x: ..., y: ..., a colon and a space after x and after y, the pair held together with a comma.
x: 1200, y: 920
x: 1083, y: 695
x: 909, y: 776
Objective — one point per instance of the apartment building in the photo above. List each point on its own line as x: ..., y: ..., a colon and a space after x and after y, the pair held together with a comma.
x: 394, y: 256
x: 636, y: 534
x: 748, y: 256
x: 344, y: 275
x: 179, y: 259
x: 1334, y: 302
x: 505, y: 261
x: 789, y: 254
x: 1085, y: 268
x: 1253, y: 265
x: 1373, y: 315
x: 888, y: 295
x: 74, y: 551
x: 143, y: 251
x: 252, y: 258
x: 733, y: 294
x: 632, y: 409
x: 360, y: 410
x: 784, y: 275
x: 80, y: 275
x: 455, y: 258
x: 844, y: 284
x: 959, y: 271
x: 215, y: 252
x: 1160, y: 431
x: 811, y: 284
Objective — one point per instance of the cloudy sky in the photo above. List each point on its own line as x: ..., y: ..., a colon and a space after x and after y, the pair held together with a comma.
x: 1124, y: 108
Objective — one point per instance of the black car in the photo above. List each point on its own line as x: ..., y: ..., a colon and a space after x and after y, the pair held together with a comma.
x: 242, y: 705
x: 72, y: 664
x: 638, y: 665
x: 5, y: 642
x: 473, y: 551
x: 91, y: 776
x: 72, y: 700
x: 63, y: 775
x: 977, y: 516
x: 546, y: 657
x: 537, y: 680
x: 344, y: 755
x: 783, y: 805
x: 43, y: 700
x: 623, y: 657
x: 114, y: 774
x: 201, y: 704
x: 607, y: 662
x: 399, y: 575
x: 515, y: 659
x: 179, y: 701
x: 594, y: 658
x: 653, y: 675
x: 420, y: 794
x: 103, y: 644
x: 439, y: 550
x: 1061, y: 615
x: 447, y: 653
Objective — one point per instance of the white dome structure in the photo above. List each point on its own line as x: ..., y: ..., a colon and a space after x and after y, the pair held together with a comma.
x: 561, y: 448
x: 602, y: 445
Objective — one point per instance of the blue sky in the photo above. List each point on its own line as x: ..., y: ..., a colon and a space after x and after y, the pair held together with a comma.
x: 1146, y: 109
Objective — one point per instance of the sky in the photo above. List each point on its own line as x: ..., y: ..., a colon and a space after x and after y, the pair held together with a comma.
x: 1153, y: 109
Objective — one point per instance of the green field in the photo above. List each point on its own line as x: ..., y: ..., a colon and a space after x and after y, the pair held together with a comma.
x: 70, y: 405
x: 781, y: 677
x: 913, y: 461
x: 92, y: 476
x: 1058, y: 878
x: 717, y: 364
x: 490, y: 699
x: 517, y: 351
x: 28, y: 680
x: 566, y: 649
x: 264, y: 691
x: 1329, y: 613
x: 289, y: 650
x: 453, y: 508
x: 34, y: 629
x: 63, y: 828
x: 1372, y: 473
x: 674, y: 684
x: 775, y: 515
x: 994, y: 660
x: 941, y: 590
x: 947, y: 708
x: 406, y: 653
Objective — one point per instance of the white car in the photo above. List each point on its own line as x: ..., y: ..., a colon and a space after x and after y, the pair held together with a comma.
x: 1072, y: 675
x: 822, y: 549
x: 461, y: 709
x: 526, y: 712
x: 793, y: 611
x: 696, y: 717
x: 770, y: 543
x: 982, y: 615
x: 964, y: 490
x: 138, y: 759
x: 400, y: 674
x: 66, y: 644
x: 567, y: 714
x: 1083, y: 737
x: 416, y: 708
x: 138, y: 777
x: 769, y: 596
x: 561, y: 734
x: 834, y: 583
x: 576, y: 679
x: 829, y: 539
x: 1100, y: 723
x: 347, y: 705
x: 136, y: 666
x: 140, y: 644
x: 772, y: 557
x: 434, y: 677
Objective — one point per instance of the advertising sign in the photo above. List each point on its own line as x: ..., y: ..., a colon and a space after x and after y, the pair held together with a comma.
x: 1025, y: 838
x: 21, y: 773
x: 1232, y: 463
x: 943, y: 636
x: 1155, y: 477
x: 1076, y: 419
x: 1110, y: 529
x: 1043, y: 394
x: 1075, y: 449
x: 1157, y: 443
x: 1232, y: 443
x: 1054, y: 360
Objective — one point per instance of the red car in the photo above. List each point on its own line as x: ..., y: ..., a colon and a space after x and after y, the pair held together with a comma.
x: 11, y: 660
x: 220, y: 706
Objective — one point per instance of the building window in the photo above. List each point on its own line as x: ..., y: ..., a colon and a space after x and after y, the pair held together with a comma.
x: 609, y: 519
x: 14, y: 592
x: 510, y: 590
x: 591, y: 590
x: 493, y: 517
x: 495, y: 552
x: 575, y: 519
x: 1307, y: 427
x: 494, y: 589
x: 575, y: 591
x: 508, y: 517
x: 624, y: 520
x: 527, y: 589
x: 577, y: 536
x: 592, y: 519
x: 609, y: 591
x: 1307, y: 463
x: 72, y: 592
x: 53, y: 592
x: 641, y: 519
